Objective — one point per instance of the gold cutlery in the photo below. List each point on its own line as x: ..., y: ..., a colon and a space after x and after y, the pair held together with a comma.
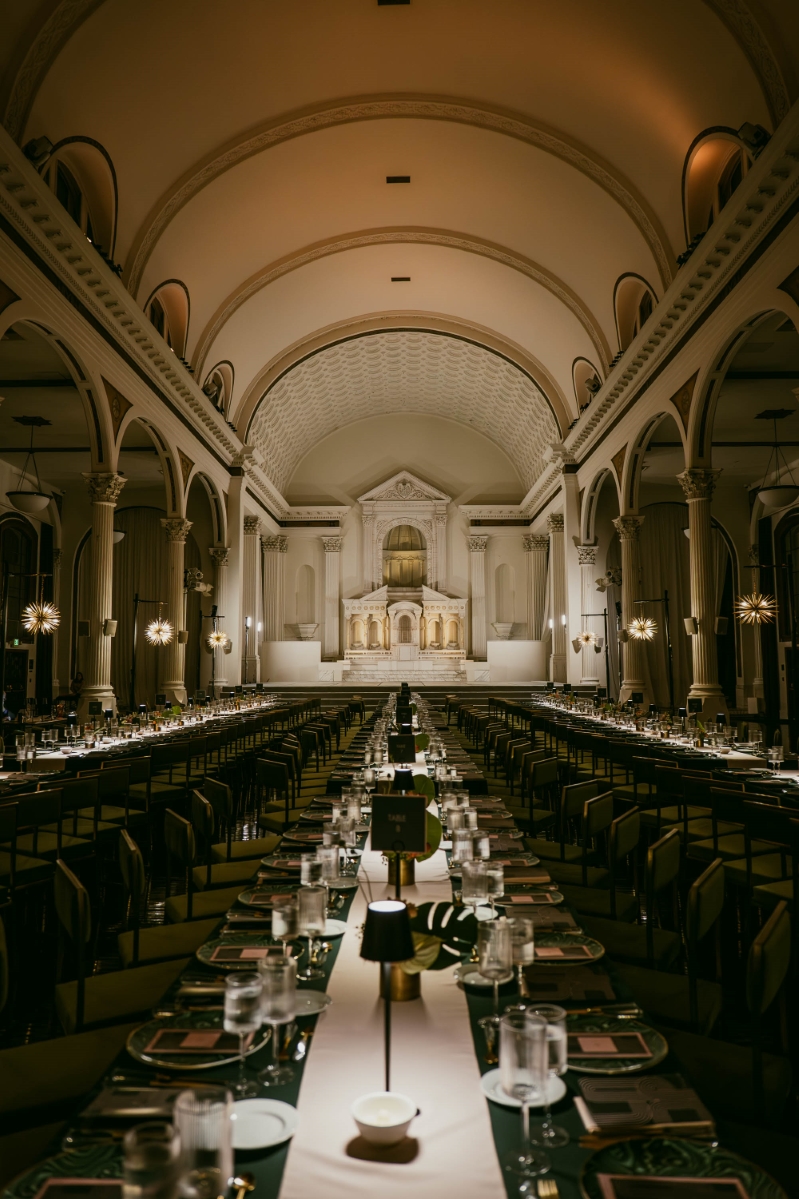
x: 243, y: 1183
x: 548, y: 1189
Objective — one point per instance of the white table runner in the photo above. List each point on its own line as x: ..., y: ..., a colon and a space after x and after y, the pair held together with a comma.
x: 432, y: 1061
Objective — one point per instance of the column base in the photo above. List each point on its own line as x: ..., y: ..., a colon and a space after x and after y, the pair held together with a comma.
x: 103, y: 695
x: 175, y: 693
x: 712, y: 697
x: 632, y: 687
x: 557, y: 668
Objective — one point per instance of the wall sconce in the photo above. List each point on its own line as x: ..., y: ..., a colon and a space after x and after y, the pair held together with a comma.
x: 183, y: 636
x: 691, y: 625
x: 110, y: 628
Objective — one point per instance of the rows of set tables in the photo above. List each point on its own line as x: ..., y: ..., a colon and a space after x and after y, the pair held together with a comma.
x: 441, y: 1057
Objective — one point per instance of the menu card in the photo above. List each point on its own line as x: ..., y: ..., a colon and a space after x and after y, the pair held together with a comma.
x: 641, y: 1186
x: 607, y: 1045
x: 661, y: 1104
x: 201, y: 1041
x: 561, y: 953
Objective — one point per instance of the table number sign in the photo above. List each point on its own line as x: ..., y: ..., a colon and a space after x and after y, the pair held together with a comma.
x: 399, y: 823
x: 402, y: 747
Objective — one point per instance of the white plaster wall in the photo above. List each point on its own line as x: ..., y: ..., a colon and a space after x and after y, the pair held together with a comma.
x: 505, y: 546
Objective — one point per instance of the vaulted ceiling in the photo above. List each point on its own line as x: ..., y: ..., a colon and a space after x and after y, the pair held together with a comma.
x: 545, y: 145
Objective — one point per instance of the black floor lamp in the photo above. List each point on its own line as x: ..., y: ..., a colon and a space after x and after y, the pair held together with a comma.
x: 162, y: 636
x: 604, y: 615
x: 643, y: 630
x: 387, y: 938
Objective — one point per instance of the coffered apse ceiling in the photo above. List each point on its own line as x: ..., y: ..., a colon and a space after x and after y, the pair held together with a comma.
x: 252, y: 141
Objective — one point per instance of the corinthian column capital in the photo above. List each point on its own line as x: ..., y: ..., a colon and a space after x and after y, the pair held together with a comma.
x: 176, y: 528
x: 698, y: 483
x: 220, y: 555
x: 332, y: 544
x: 252, y: 526
x: 555, y: 522
x: 586, y: 555
x: 104, y: 486
x: 477, y: 545
x: 535, y: 541
x: 628, y: 527
x: 275, y: 545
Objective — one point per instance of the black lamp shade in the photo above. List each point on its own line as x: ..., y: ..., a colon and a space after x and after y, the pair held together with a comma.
x: 682, y: 712
x: 402, y: 781
x: 387, y: 932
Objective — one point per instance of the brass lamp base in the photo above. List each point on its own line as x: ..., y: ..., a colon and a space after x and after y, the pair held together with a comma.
x: 403, y: 986
x: 407, y: 871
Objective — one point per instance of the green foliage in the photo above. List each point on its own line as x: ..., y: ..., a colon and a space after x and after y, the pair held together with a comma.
x: 422, y: 741
x: 451, y: 929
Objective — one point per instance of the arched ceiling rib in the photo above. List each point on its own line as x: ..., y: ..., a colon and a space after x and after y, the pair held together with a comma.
x: 402, y: 371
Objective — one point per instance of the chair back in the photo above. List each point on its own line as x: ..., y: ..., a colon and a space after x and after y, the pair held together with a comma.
x: 74, y: 918
x: 573, y: 797
x: 38, y: 808
x: 8, y: 838
x: 766, y: 969
x: 180, y: 844
x: 705, y: 903
x: 662, y: 870
x: 3, y: 965
x: 597, y: 815
x: 625, y: 832
x: 203, y: 821
x: 134, y: 880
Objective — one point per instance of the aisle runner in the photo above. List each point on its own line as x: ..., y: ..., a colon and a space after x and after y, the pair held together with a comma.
x: 432, y: 1061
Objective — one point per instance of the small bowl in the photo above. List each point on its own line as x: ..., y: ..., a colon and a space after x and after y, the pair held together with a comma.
x: 383, y: 1117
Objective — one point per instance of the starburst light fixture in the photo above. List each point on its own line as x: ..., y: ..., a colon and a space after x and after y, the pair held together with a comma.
x: 159, y: 632
x: 586, y: 637
x: 218, y: 639
x: 41, y: 617
x: 756, y: 608
x: 642, y: 628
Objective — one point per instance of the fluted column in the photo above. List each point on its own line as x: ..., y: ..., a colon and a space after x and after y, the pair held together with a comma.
x: 557, y: 597
x: 174, y: 654
x: 104, y: 488
x: 57, y: 557
x: 220, y: 556
x: 332, y: 616
x: 536, y: 548
x: 250, y: 596
x: 628, y: 528
x: 274, y: 551
x: 586, y: 556
x: 369, y: 584
x: 757, y: 680
x: 477, y: 554
x: 440, y: 581
x: 699, y: 485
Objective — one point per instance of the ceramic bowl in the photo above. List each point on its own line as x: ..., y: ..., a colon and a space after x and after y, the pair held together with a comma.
x: 384, y: 1117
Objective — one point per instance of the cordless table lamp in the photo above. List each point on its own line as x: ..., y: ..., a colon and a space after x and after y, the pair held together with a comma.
x: 386, y: 939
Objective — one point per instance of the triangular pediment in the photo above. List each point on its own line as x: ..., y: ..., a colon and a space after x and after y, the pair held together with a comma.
x: 376, y: 597
x: 404, y: 487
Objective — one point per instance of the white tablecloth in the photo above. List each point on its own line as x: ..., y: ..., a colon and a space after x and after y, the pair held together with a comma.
x: 433, y: 1061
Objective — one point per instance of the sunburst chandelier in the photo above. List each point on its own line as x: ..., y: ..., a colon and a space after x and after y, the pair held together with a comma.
x: 218, y: 639
x: 41, y: 617
x: 586, y: 638
x: 159, y: 632
x: 643, y: 628
x: 756, y: 608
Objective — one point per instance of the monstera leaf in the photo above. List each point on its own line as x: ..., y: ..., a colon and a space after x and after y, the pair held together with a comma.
x: 433, y: 835
x: 422, y: 785
x: 422, y: 742
x: 443, y: 926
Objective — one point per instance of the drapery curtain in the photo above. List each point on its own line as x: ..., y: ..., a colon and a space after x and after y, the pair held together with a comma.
x: 665, y: 565
x: 720, y: 556
x: 140, y: 565
x: 608, y: 599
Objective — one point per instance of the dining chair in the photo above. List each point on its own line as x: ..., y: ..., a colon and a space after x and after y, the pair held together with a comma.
x: 220, y: 797
x: 569, y: 809
x: 611, y: 903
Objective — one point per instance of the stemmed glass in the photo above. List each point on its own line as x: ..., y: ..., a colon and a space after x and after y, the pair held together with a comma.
x: 495, y: 876
x: 312, y: 919
x: 369, y: 781
x: 549, y: 1134
x: 776, y: 755
x: 474, y: 887
x: 278, y: 1007
x: 524, y: 1071
x: 494, y: 955
x: 242, y: 1017
x: 522, y: 934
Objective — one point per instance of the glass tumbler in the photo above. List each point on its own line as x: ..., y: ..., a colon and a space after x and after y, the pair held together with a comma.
x: 203, y: 1120
x: 312, y: 921
x: 243, y: 1018
x: 151, y: 1154
x: 279, y: 1007
x: 549, y: 1134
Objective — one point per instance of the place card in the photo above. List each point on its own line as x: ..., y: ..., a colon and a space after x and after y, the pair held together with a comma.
x: 560, y: 953
x: 607, y: 1045
x: 198, y: 1041
x: 245, y: 953
x: 645, y: 1186
x: 532, y: 898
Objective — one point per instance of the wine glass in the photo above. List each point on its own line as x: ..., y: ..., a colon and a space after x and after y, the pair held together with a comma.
x: 278, y: 1007
x: 475, y: 883
x: 549, y: 1134
x: 524, y: 1071
x: 312, y: 920
x: 522, y: 935
x: 285, y: 921
x: 495, y: 876
x: 494, y: 955
x: 243, y: 1017
x: 776, y: 755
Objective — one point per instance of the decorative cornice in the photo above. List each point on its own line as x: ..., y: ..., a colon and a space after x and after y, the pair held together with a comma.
x: 477, y: 545
x: 252, y: 526
x: 555, y: 522
x: 628, y: 527
x: 535, y: 541
x: 332, y: 544
x: 104, y: 486
x: 275, y: 545
x: 698, y: 483
x: 399, y: 236
x: 586, y: 555
x: 741, y: 23
x: 403, y: 108
x: 176, y: 528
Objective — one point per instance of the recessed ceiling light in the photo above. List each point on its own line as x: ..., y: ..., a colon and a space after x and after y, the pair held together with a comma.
x: 400, y: 278
x: 398, y: 178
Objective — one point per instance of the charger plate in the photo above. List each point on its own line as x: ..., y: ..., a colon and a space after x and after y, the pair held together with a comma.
x: 143, y: 1035
x: 663, y: 1158
x: 657, y: 1044
x: 91, y: 1161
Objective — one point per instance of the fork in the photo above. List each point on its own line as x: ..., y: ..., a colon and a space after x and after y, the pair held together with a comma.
x: 548, y: 1189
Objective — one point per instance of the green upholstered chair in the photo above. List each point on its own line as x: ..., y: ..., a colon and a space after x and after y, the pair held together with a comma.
x: 738, y: 1082
x: 610, y: 903
x: 101, y: 999
x: 78, y: 795
x: 143, y: 946
x: 220, y: 797
x: 569, y: 810
x: 634, y: 943
x: 597, y: 817
x: 688, y: 1002
x: 40, y: 828
x: 207, y: 875
x: 18, y: 870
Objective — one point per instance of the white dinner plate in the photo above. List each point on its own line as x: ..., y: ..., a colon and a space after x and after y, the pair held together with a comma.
x: 483, y: 913
x: 491, y: 1086
x: 259, y: 1123
x: 469, y: 973
x: 335, y: 928
x: 310, y: 1003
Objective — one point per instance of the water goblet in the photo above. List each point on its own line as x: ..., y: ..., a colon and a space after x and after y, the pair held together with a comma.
x: 312, y: 920
x: 475, y: 884
x: 285, y: 921
x: 549, y: 1134
x: 279, y: 1007
x: 243, y: 1018
x: 495, y: 876
x: 524, y: 1072
x: 494, y: 954
x: 522, y: 933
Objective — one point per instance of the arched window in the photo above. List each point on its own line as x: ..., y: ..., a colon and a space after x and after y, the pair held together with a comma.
x: 404, y: 557
x: 168, y: 313
x: 218, y: 386
x: 714, y: 167
x: 404, y: 630
x: 587, y: 382
x: 634, y: 301
x: 81, y: 174
x: 18, y: 552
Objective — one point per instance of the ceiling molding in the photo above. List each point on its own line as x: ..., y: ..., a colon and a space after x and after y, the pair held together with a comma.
x: 392, y: 236
x: 434, y: 322
x: 377, y: 108
x: 741, y: 23
x: 42, y: 52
